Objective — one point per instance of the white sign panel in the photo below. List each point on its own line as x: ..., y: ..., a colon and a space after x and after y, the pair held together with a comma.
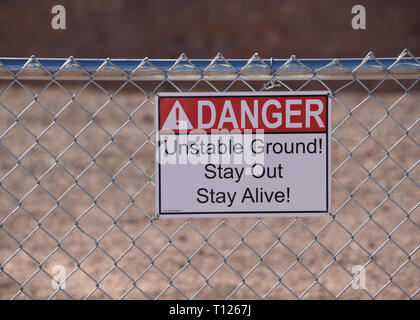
x: 230, y: 154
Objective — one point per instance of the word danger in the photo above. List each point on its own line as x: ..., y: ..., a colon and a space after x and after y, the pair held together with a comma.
x: 265, y: 112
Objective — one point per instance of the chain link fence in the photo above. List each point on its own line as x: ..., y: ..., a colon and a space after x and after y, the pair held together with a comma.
x: 77, y: 185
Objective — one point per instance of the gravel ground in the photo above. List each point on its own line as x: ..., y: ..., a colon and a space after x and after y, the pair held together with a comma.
x: 115, y: 249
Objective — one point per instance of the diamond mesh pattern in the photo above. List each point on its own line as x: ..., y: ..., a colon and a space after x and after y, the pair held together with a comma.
x: 77, y: 186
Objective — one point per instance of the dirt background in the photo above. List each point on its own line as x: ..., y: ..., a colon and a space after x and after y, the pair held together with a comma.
x: 100, y: 230
x: 102, y: 234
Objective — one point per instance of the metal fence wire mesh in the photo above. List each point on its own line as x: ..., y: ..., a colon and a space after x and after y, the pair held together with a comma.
x: 77, y: 185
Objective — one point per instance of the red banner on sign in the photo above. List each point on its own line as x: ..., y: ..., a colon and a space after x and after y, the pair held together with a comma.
x: 263, y: 113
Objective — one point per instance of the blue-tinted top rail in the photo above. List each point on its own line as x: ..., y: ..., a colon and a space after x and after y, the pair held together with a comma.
x: 405, y: 66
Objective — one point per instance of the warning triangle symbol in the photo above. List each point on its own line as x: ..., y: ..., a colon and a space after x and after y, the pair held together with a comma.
x: 177, y: 118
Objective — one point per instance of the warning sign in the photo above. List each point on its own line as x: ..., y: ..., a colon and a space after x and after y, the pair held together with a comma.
x: 243, y: 154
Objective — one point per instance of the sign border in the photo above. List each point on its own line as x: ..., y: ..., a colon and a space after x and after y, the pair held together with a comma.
x: 243, y: 214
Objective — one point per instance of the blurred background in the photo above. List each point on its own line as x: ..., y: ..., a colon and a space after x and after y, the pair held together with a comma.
x: 201, y: 28
x: 114, y: 243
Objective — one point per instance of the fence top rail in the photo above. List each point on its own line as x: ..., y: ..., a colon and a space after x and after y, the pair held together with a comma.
x: 405, y: 66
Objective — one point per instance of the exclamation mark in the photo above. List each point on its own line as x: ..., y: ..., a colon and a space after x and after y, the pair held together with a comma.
x: 320, y: 145
x: 288, y: 194
x: 177, y: 117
